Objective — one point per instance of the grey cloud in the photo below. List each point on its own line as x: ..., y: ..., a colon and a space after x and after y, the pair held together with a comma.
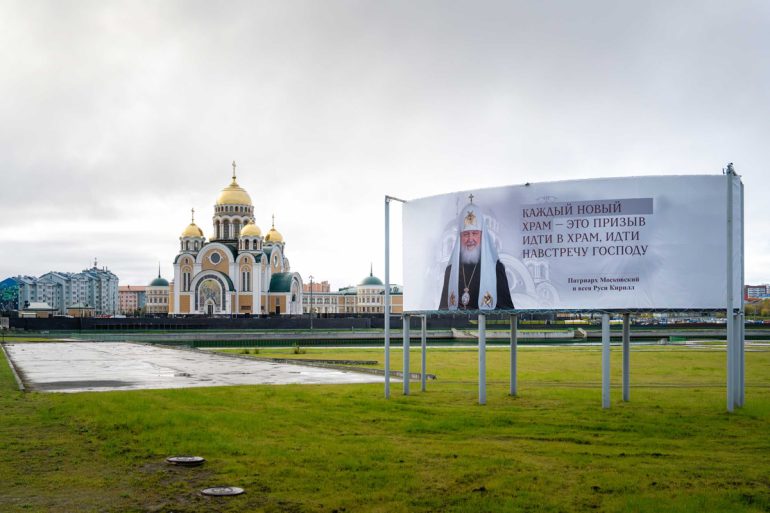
x: 329, y: 105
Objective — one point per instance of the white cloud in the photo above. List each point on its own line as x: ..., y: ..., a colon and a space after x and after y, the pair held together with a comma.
x: 120, y: 116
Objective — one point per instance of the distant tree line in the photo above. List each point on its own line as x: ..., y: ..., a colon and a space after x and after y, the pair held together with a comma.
x: 760, y: 308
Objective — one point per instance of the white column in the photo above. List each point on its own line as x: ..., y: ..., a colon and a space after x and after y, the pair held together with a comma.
x: 514, y: 349
x: 406, y: 354
x: 424, y: 347
x: 605, y: 360
x: 482, y: 358
x: 626, y: 356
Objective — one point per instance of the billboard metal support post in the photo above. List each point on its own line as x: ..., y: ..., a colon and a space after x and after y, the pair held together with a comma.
x: 626, y: 356
x: 605, y: 360
x: 424, y: 348
x: 482, y: 359
x: 742, y: 336
x: 387, y: 308
x: 406, y: 354
x: 514, y: 348
x: 742, y: 359
x: 387, y: 298
x: 737, y: 359
x: 729, y: 311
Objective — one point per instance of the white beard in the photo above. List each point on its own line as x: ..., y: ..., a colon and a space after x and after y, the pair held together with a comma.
x: 470, y: 256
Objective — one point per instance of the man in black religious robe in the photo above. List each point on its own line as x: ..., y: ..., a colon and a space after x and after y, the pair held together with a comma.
x: 475, y: 278
x: 504, y: 300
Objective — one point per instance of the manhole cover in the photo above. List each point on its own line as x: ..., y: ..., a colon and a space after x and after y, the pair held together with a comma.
x: 186, y: 461
x: 222, y: 491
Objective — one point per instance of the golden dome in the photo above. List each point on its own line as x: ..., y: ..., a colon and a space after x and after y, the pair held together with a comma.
x: 233, y: 194
x: 192, y: 230
x: 251, y: 230
x: 273, y: 236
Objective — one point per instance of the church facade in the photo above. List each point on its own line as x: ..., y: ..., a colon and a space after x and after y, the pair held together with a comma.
x: 238, y: 270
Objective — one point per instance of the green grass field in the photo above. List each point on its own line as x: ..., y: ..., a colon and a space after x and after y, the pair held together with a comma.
x: 345, y: 448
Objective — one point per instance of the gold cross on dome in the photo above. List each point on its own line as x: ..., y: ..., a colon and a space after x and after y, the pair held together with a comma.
x: 234, y: 170
x: 193, y: 215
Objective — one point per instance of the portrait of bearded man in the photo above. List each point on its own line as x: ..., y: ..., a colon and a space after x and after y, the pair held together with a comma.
x: 475, y: 277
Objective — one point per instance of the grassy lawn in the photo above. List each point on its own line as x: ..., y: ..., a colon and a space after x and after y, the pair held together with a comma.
x: 345, y: 448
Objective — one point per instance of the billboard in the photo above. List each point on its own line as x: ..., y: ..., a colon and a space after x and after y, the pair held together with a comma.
x: 654, y: 242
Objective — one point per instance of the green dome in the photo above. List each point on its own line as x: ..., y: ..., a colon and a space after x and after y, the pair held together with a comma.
x: 159, y: 282
x: 371, y: 280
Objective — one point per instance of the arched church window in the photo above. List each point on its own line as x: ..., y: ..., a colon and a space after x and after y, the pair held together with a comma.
x: 226, y: 230
x: 187, y: 245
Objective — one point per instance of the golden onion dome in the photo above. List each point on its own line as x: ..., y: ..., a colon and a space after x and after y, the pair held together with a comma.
x: 273, y: 236
x: 192, y: 230
x: 251, y: 230
x: 234, y: 194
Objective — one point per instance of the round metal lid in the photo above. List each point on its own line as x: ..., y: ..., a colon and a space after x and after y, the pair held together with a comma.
x: 222, y: 491
x: 186, y: 461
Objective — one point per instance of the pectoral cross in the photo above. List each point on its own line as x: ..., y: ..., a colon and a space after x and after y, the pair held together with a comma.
x: 470, y: 197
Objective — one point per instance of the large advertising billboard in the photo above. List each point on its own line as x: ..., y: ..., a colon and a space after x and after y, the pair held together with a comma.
x: 655, y: 242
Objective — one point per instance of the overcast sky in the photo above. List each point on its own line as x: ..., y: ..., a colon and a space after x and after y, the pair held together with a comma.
x: 117, y: 117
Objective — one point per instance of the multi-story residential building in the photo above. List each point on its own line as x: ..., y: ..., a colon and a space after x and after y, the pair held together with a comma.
x: 94, y: 287
x: 131, y: 299
x: 756, y: 291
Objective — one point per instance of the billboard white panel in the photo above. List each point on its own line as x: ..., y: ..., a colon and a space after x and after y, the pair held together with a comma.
x: 657, y: 242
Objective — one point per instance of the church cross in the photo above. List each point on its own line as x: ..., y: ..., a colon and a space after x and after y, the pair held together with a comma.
x: 234, y: 170
x: 193, y: 215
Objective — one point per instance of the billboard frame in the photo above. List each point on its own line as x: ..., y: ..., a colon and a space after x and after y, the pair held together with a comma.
x: 735, y: 318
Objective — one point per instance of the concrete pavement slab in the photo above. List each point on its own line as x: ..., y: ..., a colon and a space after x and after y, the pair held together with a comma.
x: 102, y: 366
